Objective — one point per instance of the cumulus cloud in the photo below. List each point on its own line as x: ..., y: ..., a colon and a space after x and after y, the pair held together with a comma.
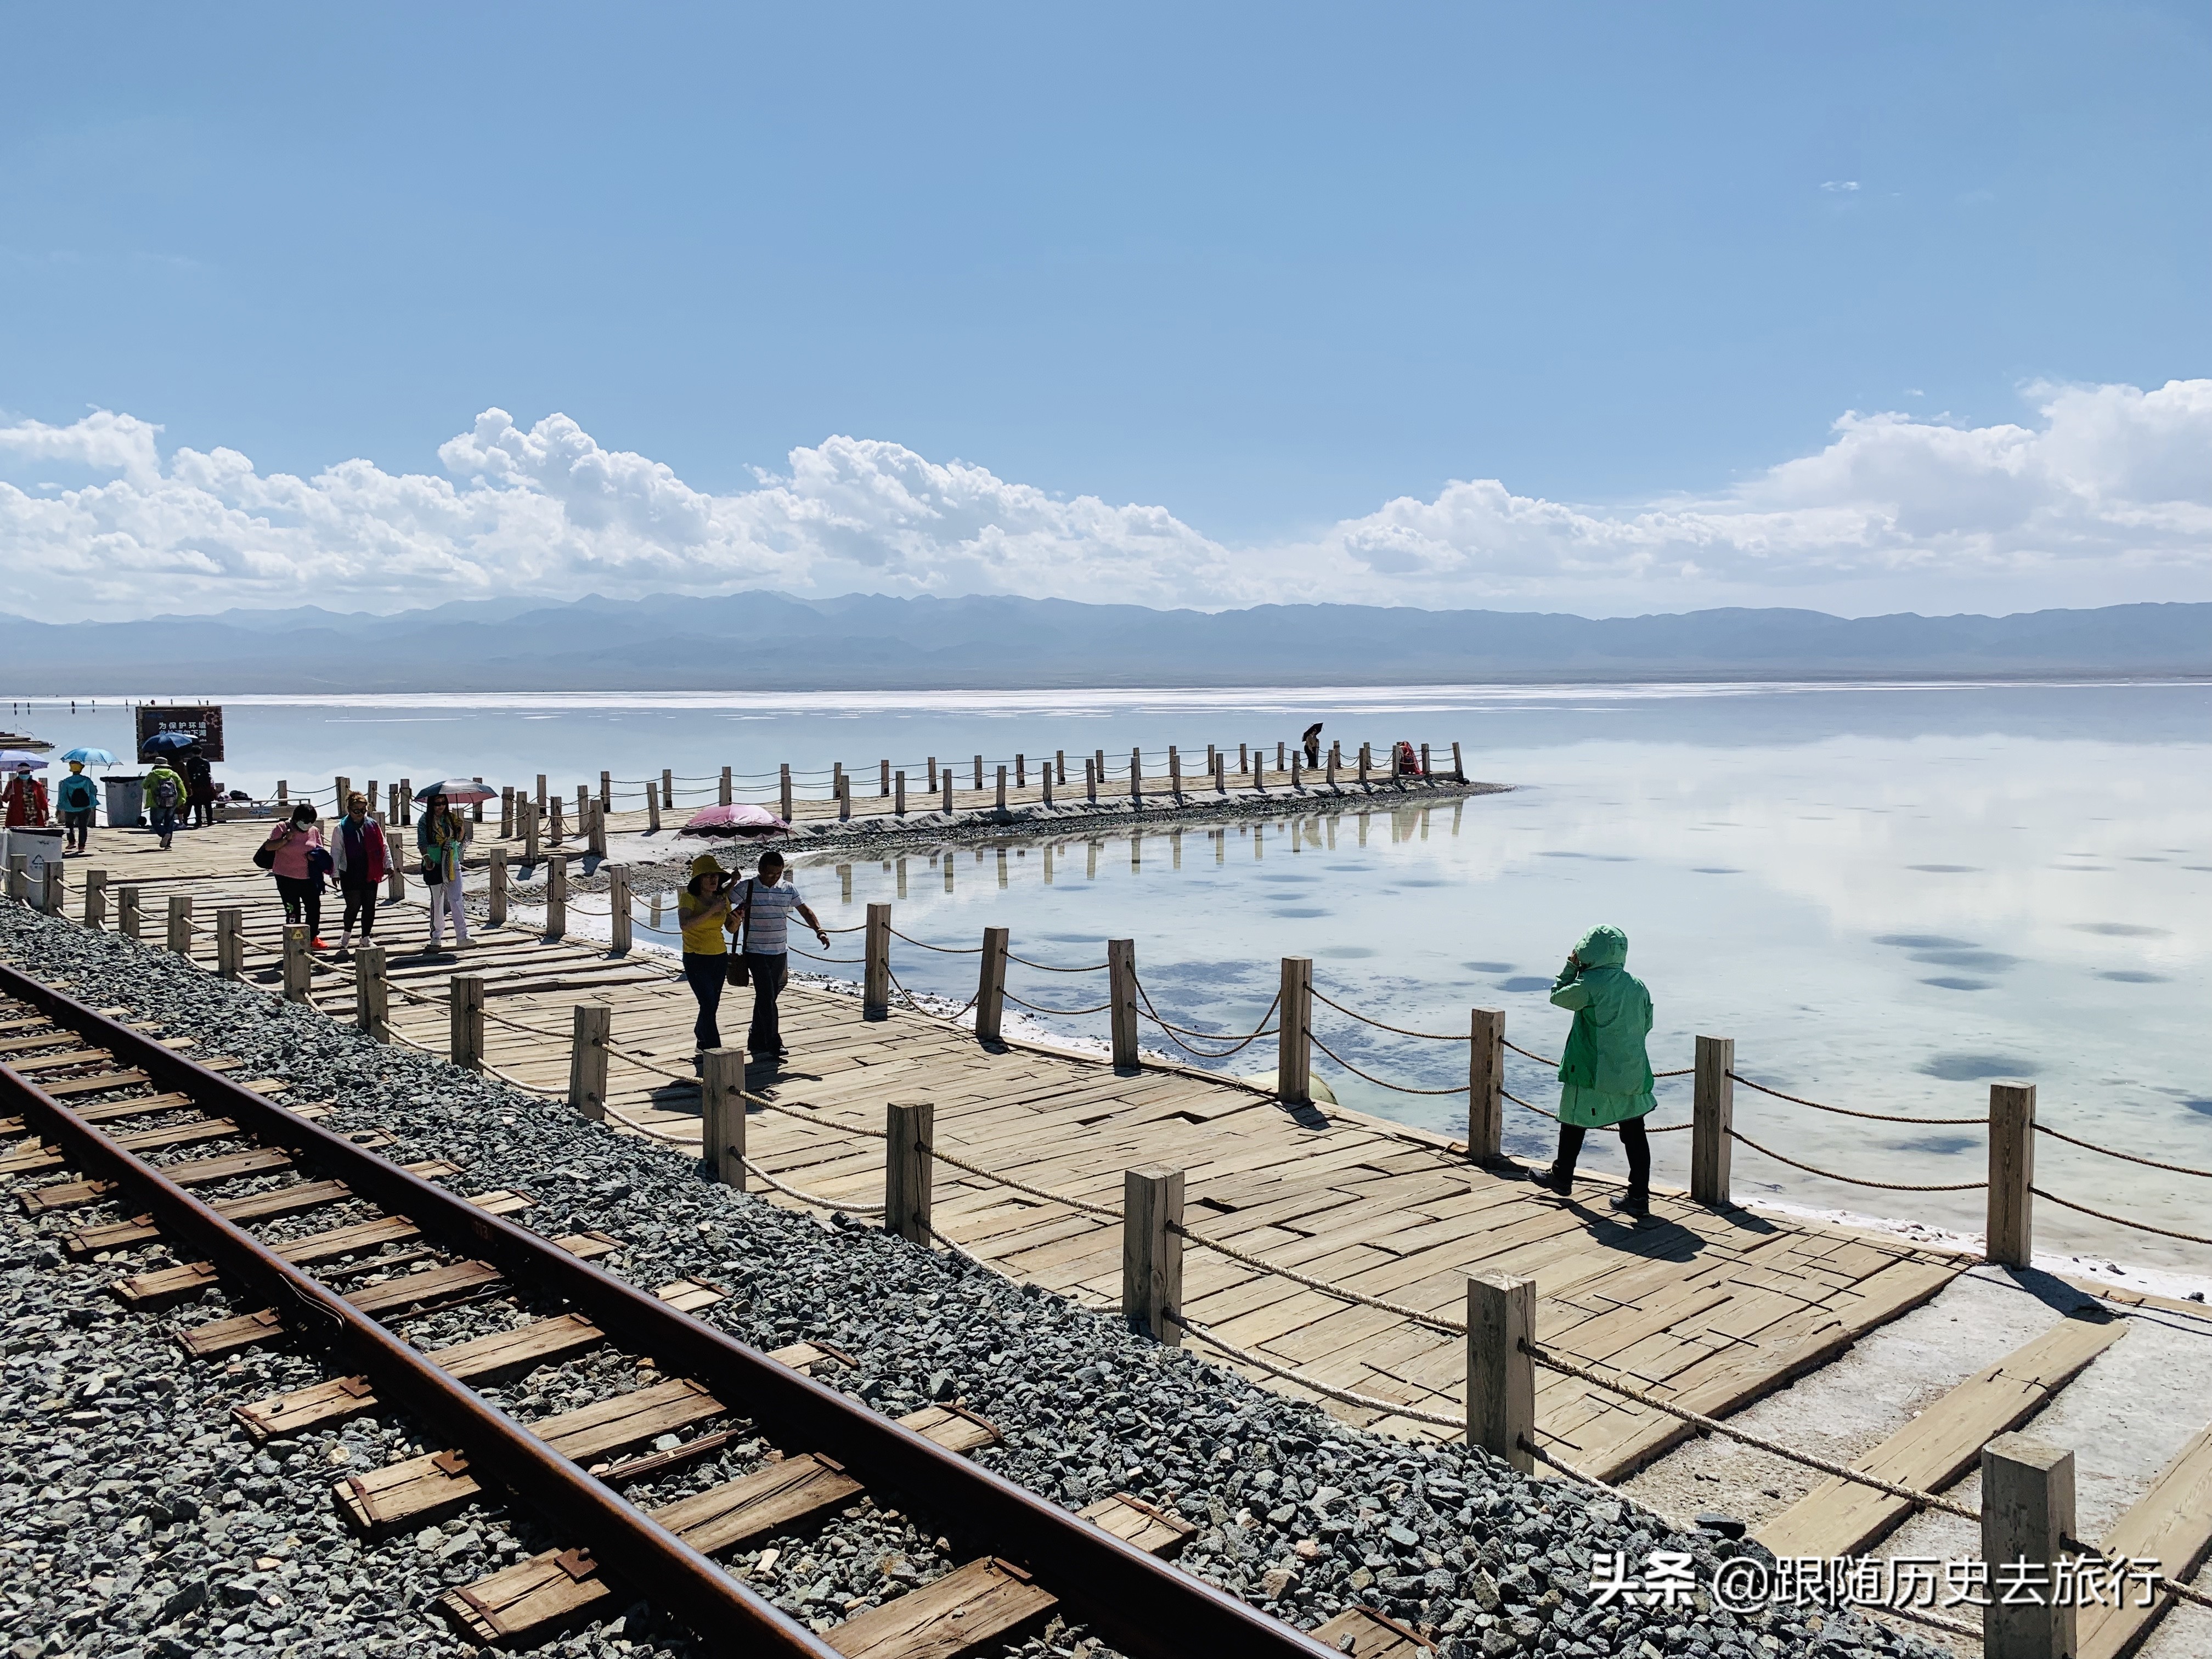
x: 2107, y: 496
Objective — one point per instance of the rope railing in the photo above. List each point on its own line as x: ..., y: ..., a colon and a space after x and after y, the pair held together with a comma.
x: 1861, y: 1180
x: 1036, y: 1009
x: 1053, y: 968
x: 2121, y: 1220
x: 942, y: 950
x: 1083, y: 1205
x: 817, y: 1201
x: 2124, y: 1569
x: 1528, y: 1054
x: 1448, y: 1327
x: 1847, y: 1111
x: 1353, y: 1013
x: 1212, y: 1339
x: 811, y: 955
x: 952, y: 1019
x: 2113, y: 1151
x: 1314, y: 1037
x: 1176, y: 1033
x: 1553, y: 1362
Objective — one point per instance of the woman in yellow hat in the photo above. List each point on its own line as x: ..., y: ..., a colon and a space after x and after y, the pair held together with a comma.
x: 704, y: 910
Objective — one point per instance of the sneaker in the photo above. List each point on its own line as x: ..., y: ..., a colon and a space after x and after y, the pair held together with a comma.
x: 317, y: 945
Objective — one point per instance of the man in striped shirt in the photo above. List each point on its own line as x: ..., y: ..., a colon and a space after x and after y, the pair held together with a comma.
x: 765, y: 903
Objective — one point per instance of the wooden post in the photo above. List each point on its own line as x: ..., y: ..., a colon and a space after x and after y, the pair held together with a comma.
x: 556, y: 834
x: 476, y: 807
x: 372, y: 993
x: 1281, y: 766
x: 990, y: 982
x: 667, y: 788
x: 1152, y: 1252
x: 1100, y: 756
x: 95, y: 898
x: 395, y: 873
x: 1330, y: 779
x: 1090, y: 781
x: 2011, y: 1172
x: 1121, y: 979
x: 597, y: 843
x: 1713, y: 1115
x: 932, y: 775
x: 128, y: 921
x: 406, y: 803
x: 1297, y: 756
x: 783, y: 795
x: 1046, y: 797
x: 606, y: 791
x: 722, y: 1115
x: 1428, y: 772
x: 465, y: 1020
x: 898, y: 793
x: 1294, y: 1045
x: 1220, y: 773
x: 844, y: 797
x: 344, y: 788
x: 181, y: 924
x: 1060, y: 767
x: 507, y: 812
x: 1501, y: 1376
x: 542, y: 797
x: 1486, y: 1085
x: 726, y: 793
x: 876, y: 973
x: 1260, y: 769
x: 1002, y: 789
x: 495, y: 889
x: 1459, y: 764
x: 2027, y: 1515
x: 908, y: 1166
x: 299, y: 969
x: 1137, y: 777
x: 589, y: 1028
x: 230, y: 943
x: 1243, y: 759
x: 284, y: 792
x: 652, y: 810
x: 1364, y: 762
x: 618, y: 916
x: 556, y: 896
x: 979, y: 771
x: 1021, y: 771
x: 1175, y: 773
x: 948, y: 793
x: 530, y: 847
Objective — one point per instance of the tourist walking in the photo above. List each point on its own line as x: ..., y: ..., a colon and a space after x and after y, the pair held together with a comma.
x: 1312, y: 742
x: 361, y: 860
x: 441, y: 836
x: 292, y: 846
x: 164, y: 795
x: 702, y: 911
x: 199, y: 786
x: 765, y: 903
x: 1605, y: 1072
x: 78, y: 799
x: 24, y: 796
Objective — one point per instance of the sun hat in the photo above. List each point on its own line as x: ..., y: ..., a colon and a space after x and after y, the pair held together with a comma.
x: 706, y: 865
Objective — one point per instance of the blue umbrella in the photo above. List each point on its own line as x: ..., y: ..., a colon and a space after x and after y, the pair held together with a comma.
x: 169, y: 742
x: 10, y: 759
x: 90, y: 757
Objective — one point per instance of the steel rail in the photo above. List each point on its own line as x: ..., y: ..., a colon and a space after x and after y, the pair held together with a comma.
x: 1143, y: 1606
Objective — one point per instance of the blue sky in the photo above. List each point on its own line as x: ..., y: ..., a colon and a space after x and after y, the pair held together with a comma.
x: 1263, y: 268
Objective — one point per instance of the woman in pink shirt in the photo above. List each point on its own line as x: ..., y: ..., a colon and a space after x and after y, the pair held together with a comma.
x: 302, y: 886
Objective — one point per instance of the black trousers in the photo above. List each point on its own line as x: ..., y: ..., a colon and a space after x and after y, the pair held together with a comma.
x: 708, y: 974
x: 303, y: 892
x: 360, y: 905
x: 1633, y: 1141
x: 79, y: 825
x: 766, y: 1035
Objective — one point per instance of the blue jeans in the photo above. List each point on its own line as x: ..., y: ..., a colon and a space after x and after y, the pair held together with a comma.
x: 164, y: 822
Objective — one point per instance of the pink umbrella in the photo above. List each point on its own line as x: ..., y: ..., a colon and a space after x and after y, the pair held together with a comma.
x: 742, y: 820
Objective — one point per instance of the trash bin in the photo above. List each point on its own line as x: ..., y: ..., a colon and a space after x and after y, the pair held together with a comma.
x: 126, y: 802
x: 41, y: 851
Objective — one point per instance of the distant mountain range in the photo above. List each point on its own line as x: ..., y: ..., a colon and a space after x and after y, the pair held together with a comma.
x: 771, y: 641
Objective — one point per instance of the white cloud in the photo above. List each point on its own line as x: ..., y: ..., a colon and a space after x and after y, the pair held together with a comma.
x: 2108, y: 496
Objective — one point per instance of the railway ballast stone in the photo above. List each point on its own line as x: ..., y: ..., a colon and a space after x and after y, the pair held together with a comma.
x: 164, y: 1531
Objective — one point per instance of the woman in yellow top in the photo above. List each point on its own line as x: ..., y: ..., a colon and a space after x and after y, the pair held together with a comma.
x: 704, y: 910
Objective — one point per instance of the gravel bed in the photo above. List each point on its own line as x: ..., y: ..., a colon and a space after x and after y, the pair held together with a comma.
x: 135, y: 1519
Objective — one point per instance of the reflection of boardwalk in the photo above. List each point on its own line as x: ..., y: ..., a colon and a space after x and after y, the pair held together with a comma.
x: 1709, y: 1310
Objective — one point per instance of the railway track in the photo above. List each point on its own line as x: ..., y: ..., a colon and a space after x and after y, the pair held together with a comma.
x: 98, y: 1101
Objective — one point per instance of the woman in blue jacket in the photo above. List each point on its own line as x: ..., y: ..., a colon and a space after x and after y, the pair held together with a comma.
x: 78, y: 799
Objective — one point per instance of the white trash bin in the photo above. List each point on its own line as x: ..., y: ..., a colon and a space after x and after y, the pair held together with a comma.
x: 42, y: 864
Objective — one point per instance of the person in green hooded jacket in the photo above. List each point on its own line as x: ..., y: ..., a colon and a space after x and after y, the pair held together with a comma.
x: 1605, y: 1074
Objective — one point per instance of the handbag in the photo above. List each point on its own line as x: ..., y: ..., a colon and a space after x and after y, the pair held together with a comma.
x: 739, y: 972
x: 265, y: 856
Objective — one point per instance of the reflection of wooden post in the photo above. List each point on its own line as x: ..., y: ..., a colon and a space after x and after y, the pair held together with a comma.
x: 465, y: 1010
x: 95, y: 898
x: 722, y: 1115
x: 495, y: 896
x: 1713, y: 1115
x: 180, y: 922
x: 907, y: 1167
x: 299, y: 969
x: 991, y: 980
x: 128, y: 921
x: 1501, y: 1376
x: 1152, y: 1252
x: 1486, y: 1085
x: 593, y: 1022
x: 618, y: 917
x: 1294, y: 1043
x: 876, y: 970
x: 2027, y: 1515
x: 230, y: 943
x: 372, y: 993
x: 2011, y: 1172
x: 1121, y: 979
x: 556, y: 896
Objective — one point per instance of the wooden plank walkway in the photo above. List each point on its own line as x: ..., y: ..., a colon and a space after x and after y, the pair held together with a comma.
x: 1710, y: 1310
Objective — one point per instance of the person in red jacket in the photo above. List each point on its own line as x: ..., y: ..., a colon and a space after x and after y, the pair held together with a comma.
x: 361, y: 860
x: 26, y: 797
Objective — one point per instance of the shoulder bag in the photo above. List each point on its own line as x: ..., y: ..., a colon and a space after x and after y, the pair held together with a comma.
x: 737, y: 972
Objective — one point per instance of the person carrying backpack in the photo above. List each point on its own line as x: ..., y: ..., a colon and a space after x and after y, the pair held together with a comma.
x: 164, y: 798
x: 78, y: 798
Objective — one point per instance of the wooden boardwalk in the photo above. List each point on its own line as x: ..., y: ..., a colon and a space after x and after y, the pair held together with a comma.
x: 1709, y: 1310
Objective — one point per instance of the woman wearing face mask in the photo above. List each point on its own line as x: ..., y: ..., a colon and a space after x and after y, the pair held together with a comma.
x: 292, y: 842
